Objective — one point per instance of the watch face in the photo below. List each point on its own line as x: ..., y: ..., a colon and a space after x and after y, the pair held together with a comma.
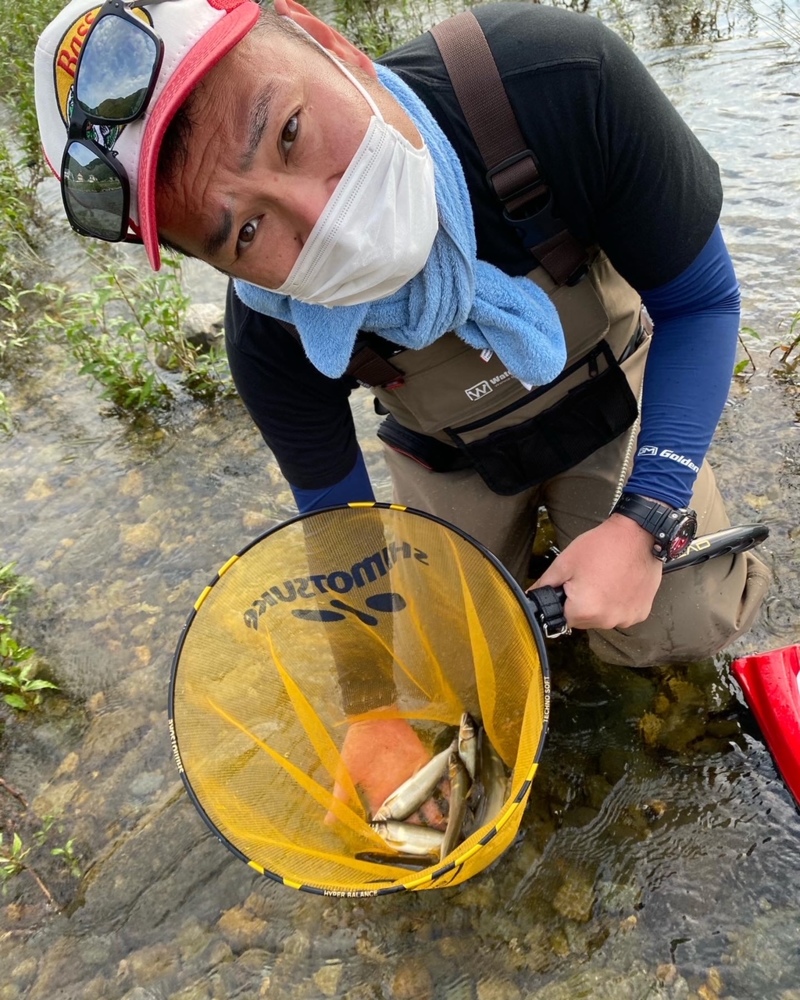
x: 682, y: 537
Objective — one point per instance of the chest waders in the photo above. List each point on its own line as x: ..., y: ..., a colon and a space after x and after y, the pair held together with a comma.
x: 450, y: 406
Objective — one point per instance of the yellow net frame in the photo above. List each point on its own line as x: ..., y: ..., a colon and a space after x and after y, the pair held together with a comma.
x: 309, y: 627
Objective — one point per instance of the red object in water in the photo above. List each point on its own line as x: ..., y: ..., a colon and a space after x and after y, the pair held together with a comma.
x: 770, y: 684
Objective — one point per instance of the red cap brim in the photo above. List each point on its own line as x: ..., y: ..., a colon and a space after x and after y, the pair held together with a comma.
x: 211, y: 48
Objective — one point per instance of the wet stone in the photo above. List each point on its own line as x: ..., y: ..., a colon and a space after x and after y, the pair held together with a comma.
x: 96, y: 950
x: 362, y: 991
x: 327, y: 979
x: 138, y: 540
x: 132, y: 484
x: 411, y: 981
x: 24, y: 973
x: 666, y: 974
x: 242, y: 930
x: 297, y: 945
x: 197, y: 991
x: 138, y: 993
x: 146, y: 783
x: 498, y: 989
x: 575, y: 899
x: 149, y: 965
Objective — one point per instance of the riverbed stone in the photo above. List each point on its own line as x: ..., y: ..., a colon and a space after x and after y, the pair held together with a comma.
x: 138, y: 540
x: 497, y: 988
x: 297, y: 945
x: 327, y: 978
x: 60, y: 967
x: 241, y: 929
x: 148, y: 965
x: 23, y: 974
x: 576, y: 897
x: 40, y: 489
x: 363, y: 991
x: 411, y: 981
x: 197, y: 991
x: 54, y: 799
x: 203, y: 324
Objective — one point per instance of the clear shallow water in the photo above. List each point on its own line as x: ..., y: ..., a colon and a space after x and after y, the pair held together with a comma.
x: 657, y: 859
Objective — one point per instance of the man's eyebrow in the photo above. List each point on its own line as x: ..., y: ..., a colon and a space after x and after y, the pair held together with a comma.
x: 217, y: 239
x: 259, y: 119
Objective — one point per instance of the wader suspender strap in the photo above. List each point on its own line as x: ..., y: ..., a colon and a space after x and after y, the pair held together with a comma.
x: 512, y: 170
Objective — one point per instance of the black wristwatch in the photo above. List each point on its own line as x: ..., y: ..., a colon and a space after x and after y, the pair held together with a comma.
x: 673, y: 528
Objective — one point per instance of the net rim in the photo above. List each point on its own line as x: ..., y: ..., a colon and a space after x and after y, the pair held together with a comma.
x: 427, y: 878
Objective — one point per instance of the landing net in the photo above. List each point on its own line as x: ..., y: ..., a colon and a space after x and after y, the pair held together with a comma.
x: 355, y: 612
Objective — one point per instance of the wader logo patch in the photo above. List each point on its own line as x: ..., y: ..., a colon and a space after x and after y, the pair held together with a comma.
x: 478, y: 391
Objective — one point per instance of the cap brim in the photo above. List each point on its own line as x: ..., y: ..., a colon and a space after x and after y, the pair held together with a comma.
x: 211, y: 48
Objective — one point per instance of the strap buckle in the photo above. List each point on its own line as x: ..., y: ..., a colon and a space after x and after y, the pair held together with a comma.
x: 520, y: 182
x: 548, y: 603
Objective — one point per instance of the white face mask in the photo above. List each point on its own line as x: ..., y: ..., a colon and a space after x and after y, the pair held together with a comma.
x: 378, y: 227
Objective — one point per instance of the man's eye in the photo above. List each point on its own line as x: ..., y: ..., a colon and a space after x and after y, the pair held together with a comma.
x: 247, y: 233
x: 289, y: 133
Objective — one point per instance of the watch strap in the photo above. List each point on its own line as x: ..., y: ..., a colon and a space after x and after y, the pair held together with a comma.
x: 657, y: 518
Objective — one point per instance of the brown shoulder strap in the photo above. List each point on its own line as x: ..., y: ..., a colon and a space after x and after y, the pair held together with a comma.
x: 511, y: 167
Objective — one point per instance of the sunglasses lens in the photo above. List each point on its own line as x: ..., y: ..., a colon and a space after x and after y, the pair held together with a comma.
x: 93, y: 194
x: 116, y: 70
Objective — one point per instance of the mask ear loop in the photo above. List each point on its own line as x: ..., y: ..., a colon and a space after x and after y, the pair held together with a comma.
x: 339, y: 65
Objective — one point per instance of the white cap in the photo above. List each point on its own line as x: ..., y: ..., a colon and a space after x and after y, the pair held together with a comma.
x: 196, y: 35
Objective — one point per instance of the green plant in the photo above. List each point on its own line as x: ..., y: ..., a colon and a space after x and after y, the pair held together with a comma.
x: 13, y: 587
x: 12, y: 857
x: 789, y: 364
x: 22, y: 689
x: 741, y: 366
x: 18, y: 223
x: 6, y: 423
x: 22, y: 25
x: 19, y: 685
x: 119, y: 327
x: 14, y: 861
x: 67, y: 854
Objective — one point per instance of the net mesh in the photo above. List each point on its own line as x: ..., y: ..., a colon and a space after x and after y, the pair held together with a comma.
x: 346, y: 614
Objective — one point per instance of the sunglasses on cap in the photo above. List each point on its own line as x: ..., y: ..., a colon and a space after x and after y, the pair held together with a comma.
x: 114, y: 79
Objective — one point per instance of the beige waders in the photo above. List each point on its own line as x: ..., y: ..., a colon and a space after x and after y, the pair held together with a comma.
x: 697, y: 610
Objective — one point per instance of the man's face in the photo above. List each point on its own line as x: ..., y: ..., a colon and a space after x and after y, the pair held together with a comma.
x: 275, y: 125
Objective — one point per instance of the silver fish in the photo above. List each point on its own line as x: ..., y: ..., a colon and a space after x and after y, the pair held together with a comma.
x: 494, y: 782
x: 460, y: 784
x: 406, y: 799
x: 468, y: 743
x: 408, y: 838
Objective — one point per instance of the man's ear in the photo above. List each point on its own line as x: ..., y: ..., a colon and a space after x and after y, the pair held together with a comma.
x: 327, y: 37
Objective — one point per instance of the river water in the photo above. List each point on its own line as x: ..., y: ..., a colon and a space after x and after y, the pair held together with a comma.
x: 658, y: 856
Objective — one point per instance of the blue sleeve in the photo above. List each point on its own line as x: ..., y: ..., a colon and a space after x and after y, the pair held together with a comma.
x: 688, y: 374
x: 354, y: 487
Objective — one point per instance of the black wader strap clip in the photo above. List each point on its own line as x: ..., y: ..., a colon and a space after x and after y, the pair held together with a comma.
x: 367, y: 366
x: 548, y: 610
x: 372, y: 370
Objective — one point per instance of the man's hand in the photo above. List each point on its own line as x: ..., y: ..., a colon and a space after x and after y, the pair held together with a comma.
x: 609, y: 574
x: 380, y: 754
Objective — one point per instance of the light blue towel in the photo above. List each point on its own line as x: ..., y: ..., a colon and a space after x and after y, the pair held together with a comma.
x: 454, y: 291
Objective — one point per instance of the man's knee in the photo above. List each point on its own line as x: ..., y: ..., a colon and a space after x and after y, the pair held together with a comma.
x: 697, y: 612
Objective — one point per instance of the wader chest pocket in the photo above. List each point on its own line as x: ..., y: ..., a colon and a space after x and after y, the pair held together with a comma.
x: 593, y: 413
